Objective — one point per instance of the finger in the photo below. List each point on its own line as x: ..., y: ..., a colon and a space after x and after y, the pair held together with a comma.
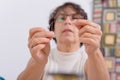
x: 89, y: 29
x: 82, y: 22
x: 35, y: 41
x: 32, y: 31
x: 37, y: 53
x: 48, y: 34
x: 91, y: 36
x: 90, y: 41
x: 37, y: 48
x: 40, y: 48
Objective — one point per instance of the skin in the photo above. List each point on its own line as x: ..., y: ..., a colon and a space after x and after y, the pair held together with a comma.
x: 69, y: 34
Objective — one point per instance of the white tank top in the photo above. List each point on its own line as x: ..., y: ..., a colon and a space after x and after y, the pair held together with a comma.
x: 72, y: 62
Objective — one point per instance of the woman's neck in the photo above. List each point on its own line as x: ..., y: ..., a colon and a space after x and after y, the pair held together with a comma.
x: 67, y: 47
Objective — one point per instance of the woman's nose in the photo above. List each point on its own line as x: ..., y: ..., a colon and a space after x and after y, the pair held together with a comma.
x: 68, y: 19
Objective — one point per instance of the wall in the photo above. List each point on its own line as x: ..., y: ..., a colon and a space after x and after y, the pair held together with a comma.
x: 16, y: 18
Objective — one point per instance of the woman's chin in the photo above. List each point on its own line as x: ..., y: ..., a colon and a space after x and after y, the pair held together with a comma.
x: 66, y: 39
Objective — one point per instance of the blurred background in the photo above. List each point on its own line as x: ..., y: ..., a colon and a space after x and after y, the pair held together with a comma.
x: 16, y: 18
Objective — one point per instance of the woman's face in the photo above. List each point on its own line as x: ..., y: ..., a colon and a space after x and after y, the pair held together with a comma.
x: 65, y: 30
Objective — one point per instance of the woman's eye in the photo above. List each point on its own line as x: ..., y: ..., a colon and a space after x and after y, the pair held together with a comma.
x: 60, y: 19
x: 76, y: 17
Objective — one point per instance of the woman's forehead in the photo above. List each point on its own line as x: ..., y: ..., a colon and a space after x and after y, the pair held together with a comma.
x: 67, y: 9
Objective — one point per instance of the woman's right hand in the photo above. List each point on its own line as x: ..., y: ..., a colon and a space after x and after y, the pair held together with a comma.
x: 39, y: 44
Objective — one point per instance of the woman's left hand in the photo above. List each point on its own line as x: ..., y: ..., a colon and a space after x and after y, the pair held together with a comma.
x: 90, y: 35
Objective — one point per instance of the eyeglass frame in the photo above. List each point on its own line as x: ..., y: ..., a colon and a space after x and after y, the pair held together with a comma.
x: 72, y: 16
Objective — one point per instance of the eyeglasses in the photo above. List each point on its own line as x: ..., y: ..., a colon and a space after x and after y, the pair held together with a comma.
x: 63, y: 17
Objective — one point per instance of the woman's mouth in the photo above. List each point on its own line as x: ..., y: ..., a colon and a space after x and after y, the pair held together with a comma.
x: 67, y: 30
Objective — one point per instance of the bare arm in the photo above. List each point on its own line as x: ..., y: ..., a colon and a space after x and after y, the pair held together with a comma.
x: 96, y: 68
x: 33, y: 71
